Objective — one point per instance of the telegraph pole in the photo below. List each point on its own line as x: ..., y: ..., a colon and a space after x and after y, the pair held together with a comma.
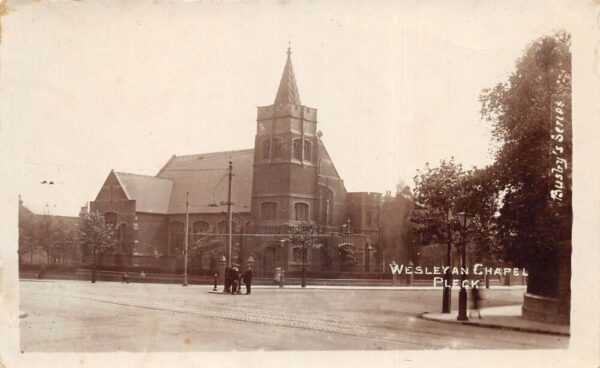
x: 187, y: 238
x: 229, y: 214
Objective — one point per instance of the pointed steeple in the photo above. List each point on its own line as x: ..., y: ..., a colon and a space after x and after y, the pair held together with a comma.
x: 288, y: 90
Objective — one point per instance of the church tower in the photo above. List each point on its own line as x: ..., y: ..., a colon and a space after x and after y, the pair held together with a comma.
x: 285, y: 180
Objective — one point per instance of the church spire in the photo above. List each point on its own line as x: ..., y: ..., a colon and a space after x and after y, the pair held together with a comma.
x: 288, y: 90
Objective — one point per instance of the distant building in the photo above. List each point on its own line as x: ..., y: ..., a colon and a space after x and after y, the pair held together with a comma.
x: 288, y: 176
x: 35, y: 235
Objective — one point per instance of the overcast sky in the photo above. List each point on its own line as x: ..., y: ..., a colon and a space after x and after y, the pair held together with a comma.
x: 91, y: 86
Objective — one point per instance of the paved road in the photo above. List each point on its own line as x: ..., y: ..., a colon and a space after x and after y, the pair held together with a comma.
x: 80, y: 316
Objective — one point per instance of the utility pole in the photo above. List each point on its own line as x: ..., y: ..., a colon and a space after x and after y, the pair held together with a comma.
x: 187, y: 238
x: 229, y: 214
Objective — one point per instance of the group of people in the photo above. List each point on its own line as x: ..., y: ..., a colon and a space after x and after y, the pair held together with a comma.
x: 234, y: 279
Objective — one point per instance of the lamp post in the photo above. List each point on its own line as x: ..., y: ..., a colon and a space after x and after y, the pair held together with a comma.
x: 446, y: 301
x: 282, y: 245
x: 187, y: 239
x: 462, y: 295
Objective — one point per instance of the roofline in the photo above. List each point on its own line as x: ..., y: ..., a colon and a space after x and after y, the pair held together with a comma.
x: 165, y: 165
x: 120, y: 183
x: 332, y: 164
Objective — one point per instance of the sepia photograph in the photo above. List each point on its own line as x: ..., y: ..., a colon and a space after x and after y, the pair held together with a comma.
x: 248, y: 177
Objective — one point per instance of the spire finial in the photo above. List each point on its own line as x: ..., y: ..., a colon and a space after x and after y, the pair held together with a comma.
x: 289, y: 51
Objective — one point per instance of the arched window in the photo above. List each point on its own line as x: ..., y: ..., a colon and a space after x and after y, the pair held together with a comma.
x: 268, y: 211
x: 297, y: 148
x: 327, y: 205
x: 222, y: 227
x: 200, y: 227
x: 307, y: 151
x: 110, y: 218
x: 277, y: 148
x: 297, y: 255
x: 177, y: 236
x: 266, y: 149
x: 301, y: 211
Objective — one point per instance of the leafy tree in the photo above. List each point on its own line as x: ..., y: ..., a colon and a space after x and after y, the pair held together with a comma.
x: 96, y: 236
x: 305, y: 234
x: 529, y: 228
x: 438, y: 194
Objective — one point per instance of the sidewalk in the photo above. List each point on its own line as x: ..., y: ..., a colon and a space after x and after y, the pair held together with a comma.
x: 365, y: 287
x: 507, y: 317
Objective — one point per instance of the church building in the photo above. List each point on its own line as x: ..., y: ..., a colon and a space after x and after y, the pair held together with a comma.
x: 286, y: 178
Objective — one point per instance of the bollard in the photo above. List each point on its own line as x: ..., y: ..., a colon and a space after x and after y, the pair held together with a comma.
x: 215, y: 285
x: 410, y: 277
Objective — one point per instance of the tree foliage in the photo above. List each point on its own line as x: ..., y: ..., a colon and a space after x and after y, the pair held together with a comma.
x: 438, y: 195
x: 520, y: 113
x: 95, y: 234
x: 305, y: 234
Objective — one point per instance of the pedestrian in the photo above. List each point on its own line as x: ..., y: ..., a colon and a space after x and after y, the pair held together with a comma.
x: 125, y: 278
x: 248, y: 280
x: 227, y: 280
x: 235, y: 278
x: 475, y: 300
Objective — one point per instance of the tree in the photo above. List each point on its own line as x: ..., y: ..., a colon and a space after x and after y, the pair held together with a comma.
x: 96, y: 236
x: 305, y: 234
x: 439, y: 196
x: 530, y: 228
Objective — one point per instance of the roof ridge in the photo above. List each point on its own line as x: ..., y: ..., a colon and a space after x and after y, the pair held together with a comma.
x: 142, y: 175
x: 210, y: 154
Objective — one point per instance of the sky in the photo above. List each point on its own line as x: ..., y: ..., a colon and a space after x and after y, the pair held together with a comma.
x: 90, y: 86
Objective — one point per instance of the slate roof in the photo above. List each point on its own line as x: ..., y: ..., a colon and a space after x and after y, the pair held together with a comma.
x: 287, y: 93
x: 152, y: 194
x: 204, y: 176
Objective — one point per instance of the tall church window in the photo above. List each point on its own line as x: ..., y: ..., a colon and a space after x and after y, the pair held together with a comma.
x: 266, y: 149
x: 301, y: 211
x: 199, y: 228
x: 222, y: 227
x: 110, y: 218
x: 277, y: 145
x: 307, y: 151
x: 268, y: 211
x: 327, y: 205
x: 297, y: 149
x: 177, y: 235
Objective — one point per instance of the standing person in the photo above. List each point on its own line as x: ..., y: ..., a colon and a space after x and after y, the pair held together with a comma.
x: 475, y: 298
x: 227, y: 280
x: 235, y: 278
x: 248, y: 280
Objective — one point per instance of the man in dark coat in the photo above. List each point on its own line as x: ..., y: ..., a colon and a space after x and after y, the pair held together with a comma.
x: 248, y: 279
x: 227, y: 285
x: 235, y: 279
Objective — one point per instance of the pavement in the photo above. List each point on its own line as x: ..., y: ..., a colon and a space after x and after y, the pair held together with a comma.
x: 504, y: 317
x: 77, y: 316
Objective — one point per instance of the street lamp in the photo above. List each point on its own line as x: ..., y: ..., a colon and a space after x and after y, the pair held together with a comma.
x: 465, y: 219
x: 446, y: 301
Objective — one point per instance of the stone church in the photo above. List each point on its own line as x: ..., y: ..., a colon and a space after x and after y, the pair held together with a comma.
x: 287, y: 177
